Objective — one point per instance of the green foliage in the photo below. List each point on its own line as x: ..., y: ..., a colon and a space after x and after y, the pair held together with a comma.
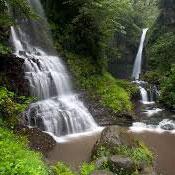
x: 89, y: 27
x: 112, y: 95
x: 15, y: 158
x: 62, y: 169
x: 102, y: 152
x: 87, y: 169
x: 152, y: 77
x: 168, y: 89
x: 4, y: 49
x: 21, y: 7
x: 139, y: 154
x: 162, y: 53
x: 11, y: 106
x: 110, y: 91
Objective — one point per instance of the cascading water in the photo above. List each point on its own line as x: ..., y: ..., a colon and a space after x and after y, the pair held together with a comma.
x: 138, y: 66
x: 152, y: 118
x: 144, y: 94
x: 138, y: 60
x: 58, y: 110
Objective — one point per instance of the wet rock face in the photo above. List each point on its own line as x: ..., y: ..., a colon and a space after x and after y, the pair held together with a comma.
x: 103, y: 115
x: 122, y: 165
x: 12, y: 74
x: 38, y: 140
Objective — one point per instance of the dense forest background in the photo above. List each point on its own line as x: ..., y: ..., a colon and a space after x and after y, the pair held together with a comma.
x: 96, y: 37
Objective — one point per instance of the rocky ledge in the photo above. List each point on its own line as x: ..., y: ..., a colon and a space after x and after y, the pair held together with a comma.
x: 105, y: 116
x: 12, y: 74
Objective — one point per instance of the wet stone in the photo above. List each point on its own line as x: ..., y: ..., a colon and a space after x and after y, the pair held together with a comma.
x: 121, y: 164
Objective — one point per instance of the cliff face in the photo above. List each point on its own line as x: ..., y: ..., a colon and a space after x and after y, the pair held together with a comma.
x: 122, y: 67
x: 167, y: 16
x: 12, y: 74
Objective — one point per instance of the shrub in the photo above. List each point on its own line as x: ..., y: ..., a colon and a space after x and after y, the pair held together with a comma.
x: 11, y: 106
x: 87, y: 169
x: 152, y: 77
x: 4, y: 49
x: 16, y: 159
x: 140, y: 154
x: 167, y: 95
x: 102, y: 85
x: 62, y: 169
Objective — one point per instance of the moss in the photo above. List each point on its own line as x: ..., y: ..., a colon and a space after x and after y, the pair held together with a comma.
x: 4, y: 50
x: 16, y: 158
x: 114, y: 94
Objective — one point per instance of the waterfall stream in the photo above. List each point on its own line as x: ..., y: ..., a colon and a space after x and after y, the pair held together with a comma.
x: 59, y: 110
x: 152, y: 118
x: 138, y: 60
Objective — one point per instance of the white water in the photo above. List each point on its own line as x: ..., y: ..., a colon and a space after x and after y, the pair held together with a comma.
x: 137, y: 68
x: 138, y: 60
x: 58, y: 111
x: 165, y: 125
x: 144, y: 94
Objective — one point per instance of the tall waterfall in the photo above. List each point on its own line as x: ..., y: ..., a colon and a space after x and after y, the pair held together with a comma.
x: 58, y: 110
x: 138, y: 60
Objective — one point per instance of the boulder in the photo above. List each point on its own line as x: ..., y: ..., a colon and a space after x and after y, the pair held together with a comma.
x: 38, y: 140
x: 121, y: 164
x: 112, y: 137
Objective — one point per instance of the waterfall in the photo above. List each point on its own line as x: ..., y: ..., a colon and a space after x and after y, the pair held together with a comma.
x: 137, y: 68
x: 144, y: 94
x: 138, y: 60
x: 58, y: 110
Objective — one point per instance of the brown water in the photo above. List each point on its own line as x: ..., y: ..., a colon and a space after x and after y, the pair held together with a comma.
x: 75, y: 151
x: 163, y: 146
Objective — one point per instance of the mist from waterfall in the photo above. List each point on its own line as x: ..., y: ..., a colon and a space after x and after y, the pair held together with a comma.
x: 59, y: 110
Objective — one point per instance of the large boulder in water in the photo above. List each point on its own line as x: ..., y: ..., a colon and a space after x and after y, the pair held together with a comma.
x: 114, y: 136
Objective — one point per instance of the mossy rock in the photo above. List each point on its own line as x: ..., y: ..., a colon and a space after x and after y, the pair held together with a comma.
x: 121, y: 165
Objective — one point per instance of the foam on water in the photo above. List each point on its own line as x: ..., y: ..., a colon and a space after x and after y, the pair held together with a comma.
x: 165, y: 125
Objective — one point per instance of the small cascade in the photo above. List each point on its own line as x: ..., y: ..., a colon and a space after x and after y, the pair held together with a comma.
x: 58, y: 111
x: 144, y: 94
